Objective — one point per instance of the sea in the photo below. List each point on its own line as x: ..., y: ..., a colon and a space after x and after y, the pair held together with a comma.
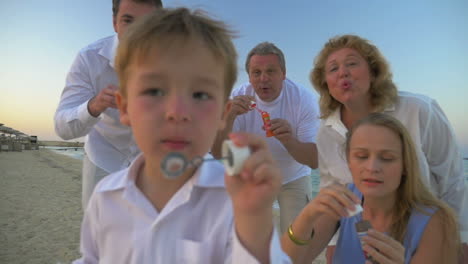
x: 77, y: 153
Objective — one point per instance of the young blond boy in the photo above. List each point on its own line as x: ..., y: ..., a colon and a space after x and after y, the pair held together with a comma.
x: 176, y: 69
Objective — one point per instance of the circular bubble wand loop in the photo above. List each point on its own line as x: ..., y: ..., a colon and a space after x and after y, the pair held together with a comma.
x: 233, y: 157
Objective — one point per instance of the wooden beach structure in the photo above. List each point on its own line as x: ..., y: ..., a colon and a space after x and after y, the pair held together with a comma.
x: 14, y: 140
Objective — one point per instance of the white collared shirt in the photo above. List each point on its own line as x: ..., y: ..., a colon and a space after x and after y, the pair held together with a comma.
x: 108, y: 143
x: 297, y: 105
x: 196, y: 225
x: 439, y: 156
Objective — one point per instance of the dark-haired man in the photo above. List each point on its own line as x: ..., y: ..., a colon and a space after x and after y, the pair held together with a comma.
x: 87, y: 106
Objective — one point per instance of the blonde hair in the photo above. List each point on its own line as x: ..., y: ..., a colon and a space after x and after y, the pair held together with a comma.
x: 383, y: 91
x: 412, y: 193
x: 165, y: 28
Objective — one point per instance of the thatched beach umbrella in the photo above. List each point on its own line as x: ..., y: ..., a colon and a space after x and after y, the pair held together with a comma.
x: 6, y: 141
x: 7, y: 130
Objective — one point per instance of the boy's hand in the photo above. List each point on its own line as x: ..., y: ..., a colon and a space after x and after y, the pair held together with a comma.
x: 258, y: 184
x: 252, y: 193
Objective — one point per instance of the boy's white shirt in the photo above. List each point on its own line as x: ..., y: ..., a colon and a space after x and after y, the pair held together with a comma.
x: 196, y: 226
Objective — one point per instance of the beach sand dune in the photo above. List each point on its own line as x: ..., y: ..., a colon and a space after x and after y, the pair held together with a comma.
x: 40, y: 207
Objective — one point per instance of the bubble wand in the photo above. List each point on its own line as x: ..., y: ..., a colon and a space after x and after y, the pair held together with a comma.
x: 233, y: 158
x: 265, y: 118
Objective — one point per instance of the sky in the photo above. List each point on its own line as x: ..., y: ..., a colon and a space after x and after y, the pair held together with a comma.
x: 425, y: 42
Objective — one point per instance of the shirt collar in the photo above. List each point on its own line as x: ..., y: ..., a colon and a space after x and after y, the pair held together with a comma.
x: 109, y: 51
x: 334, y: 121
x: 208, y: 175
x: 129, y: 176
x: 334, y: 117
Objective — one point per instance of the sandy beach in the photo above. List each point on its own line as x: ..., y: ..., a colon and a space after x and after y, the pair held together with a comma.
x: 40, y: 208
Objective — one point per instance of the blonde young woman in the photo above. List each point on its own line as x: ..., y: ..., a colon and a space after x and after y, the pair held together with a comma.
x: 409, y: 224
x: 354, y: 80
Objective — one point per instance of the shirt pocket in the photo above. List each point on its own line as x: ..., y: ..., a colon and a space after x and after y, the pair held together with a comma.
x: 190, y: 251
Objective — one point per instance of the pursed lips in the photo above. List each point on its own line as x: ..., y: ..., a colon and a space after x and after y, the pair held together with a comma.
x: 345, y: 84
x: 175, y: 143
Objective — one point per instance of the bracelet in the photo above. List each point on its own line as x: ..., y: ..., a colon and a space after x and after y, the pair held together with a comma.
x: 298, y: 241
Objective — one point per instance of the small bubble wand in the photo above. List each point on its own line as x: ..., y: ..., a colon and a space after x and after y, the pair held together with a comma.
x: 233, y: 158
x: 265, y: 118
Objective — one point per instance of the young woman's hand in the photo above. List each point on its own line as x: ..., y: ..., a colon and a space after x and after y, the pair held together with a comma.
x: 334, y: 200
x: 383, y: 248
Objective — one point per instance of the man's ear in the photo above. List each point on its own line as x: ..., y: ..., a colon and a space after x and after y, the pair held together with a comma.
x: 114, y: 23
x: 122, y: 104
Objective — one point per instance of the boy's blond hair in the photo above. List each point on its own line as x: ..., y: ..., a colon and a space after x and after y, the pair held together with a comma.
x: 165, y: 28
